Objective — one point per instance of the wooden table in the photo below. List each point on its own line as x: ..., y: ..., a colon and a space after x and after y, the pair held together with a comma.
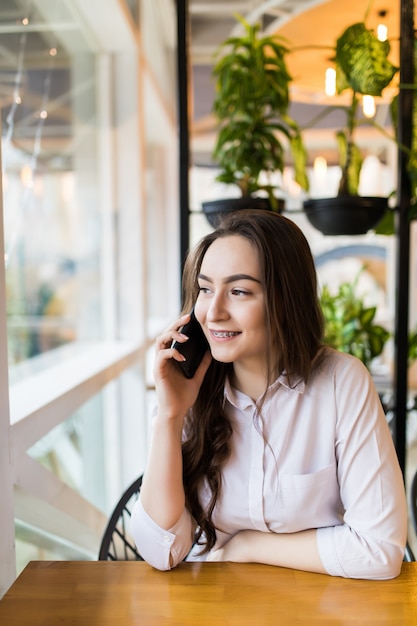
x: 125, y: 593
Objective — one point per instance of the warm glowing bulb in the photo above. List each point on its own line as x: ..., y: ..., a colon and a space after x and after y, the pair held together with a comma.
x: 368, y: 105
x: 53, y: 52
x: 382, y: 32
x: 320, y: 168
x: 25, y: 21
x: 26, y: 176
x: 330, y: 82
x: 319, y: 178
x: 43, y: 114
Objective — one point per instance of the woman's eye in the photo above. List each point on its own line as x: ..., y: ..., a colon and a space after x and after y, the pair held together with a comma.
x: 239, y: 292
x: 203, y: 289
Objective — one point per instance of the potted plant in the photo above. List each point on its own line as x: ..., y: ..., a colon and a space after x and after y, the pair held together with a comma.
x: 362, y: 65
x: 254, y: 128
x: 350, y: 325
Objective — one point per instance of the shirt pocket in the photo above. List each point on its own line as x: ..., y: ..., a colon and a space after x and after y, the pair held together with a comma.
x: 311, y: 500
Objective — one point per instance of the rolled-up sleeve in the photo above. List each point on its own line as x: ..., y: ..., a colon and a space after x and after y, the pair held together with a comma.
x: 370, y: 542
x: 163, y: 549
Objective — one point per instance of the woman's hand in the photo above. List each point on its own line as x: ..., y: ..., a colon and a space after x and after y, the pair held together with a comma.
x: 176, y: 394
x: 294, y: 550
x: 162, y: 492
x: 236, y: 549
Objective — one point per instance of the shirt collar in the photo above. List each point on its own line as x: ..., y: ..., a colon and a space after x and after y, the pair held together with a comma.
x: 242, y: 401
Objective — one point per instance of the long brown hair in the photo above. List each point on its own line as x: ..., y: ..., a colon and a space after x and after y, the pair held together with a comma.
x: 294, y: 326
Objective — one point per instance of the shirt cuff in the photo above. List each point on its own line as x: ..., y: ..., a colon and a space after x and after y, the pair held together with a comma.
x: 155, y: 544
x: 327, y: 551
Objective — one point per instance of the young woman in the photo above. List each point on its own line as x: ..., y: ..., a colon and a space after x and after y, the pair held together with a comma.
x: 277, y: 451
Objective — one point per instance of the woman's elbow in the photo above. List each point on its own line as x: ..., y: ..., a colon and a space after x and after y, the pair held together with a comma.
x: 383, y: 563
x: 390, y: 566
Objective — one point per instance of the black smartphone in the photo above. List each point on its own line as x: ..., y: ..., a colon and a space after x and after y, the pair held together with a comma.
x: 194, y: 349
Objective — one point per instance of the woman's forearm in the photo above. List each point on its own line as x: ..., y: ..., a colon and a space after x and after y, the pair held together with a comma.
x: 162, y: 492
x: 295, y: 550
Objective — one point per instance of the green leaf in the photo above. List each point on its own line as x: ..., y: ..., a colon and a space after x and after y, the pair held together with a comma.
x: 367, y: 315
x: 364, y: 60
x: 300, y: 161
x: 412, y: 347
x: 386, y: 225
x: 413, y: 212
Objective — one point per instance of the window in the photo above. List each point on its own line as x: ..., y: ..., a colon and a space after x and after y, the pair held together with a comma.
x: 90, y: 208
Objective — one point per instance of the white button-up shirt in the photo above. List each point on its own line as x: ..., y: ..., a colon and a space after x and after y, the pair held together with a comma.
x: 319, y: 455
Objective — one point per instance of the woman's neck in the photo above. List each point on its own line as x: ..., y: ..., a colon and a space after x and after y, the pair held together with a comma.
x: 250, y: 381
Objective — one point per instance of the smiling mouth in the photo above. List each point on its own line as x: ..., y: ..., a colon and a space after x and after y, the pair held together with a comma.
x: 222, y: 334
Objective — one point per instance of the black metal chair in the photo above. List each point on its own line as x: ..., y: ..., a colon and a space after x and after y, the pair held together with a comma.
x: 413, y: 502
x: 117, y: 543
x: 408, y: 554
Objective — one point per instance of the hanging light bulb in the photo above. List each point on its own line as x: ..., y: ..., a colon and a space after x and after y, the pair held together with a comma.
x: 330, y: 82
x: 26, y: 176
x: 382, y: 28
x: 382, y: 32
x: 368, y: 106
x: 320, y: 174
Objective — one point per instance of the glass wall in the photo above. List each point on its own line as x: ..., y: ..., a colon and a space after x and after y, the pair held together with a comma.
x: 90, y: 213
x: 51, y: 205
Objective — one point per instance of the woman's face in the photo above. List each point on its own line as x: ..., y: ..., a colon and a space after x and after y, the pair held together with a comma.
x: 230, y: 306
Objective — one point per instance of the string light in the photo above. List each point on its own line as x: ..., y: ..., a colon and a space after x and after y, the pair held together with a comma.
x: 28, y: 171
x: 7, y: 149
x: 16, y: 97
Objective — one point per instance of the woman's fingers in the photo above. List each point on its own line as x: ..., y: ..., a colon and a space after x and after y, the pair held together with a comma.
x: 172, y: 333
x: 164, y: 344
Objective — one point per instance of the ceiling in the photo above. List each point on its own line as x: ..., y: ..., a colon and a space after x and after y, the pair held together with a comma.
x: 305, y: 24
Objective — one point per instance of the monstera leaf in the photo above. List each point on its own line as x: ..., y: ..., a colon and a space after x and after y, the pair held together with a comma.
x: 362, y: 61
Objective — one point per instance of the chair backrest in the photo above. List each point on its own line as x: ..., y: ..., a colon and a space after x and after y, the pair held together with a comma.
x: 117, y: 543
x: 413, y: 502
x: 408, y: 554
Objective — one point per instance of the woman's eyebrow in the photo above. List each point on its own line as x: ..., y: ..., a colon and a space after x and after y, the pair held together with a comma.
x: 231, y: 279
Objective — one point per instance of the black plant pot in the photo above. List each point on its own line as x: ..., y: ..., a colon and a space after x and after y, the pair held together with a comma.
x: 216, y: 210
x: 345, y: 215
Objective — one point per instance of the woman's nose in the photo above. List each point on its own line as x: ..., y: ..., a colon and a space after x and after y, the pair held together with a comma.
x: 217, y: 309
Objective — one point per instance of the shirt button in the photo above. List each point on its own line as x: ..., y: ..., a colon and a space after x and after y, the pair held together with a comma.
x: 166, y: 539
